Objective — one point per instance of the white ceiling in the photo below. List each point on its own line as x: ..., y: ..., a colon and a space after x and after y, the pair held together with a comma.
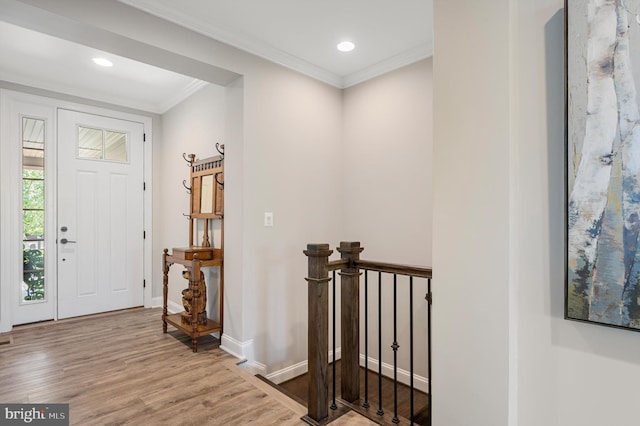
x: 303, y: 34
x: 299, y: 34
x: 39, y: 60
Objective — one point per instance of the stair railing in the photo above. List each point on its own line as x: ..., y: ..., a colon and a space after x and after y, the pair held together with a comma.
x: 349, y: 268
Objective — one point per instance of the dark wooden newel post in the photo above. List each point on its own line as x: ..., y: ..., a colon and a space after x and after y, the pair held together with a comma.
x: 350, y: 325
x: 318, y: 337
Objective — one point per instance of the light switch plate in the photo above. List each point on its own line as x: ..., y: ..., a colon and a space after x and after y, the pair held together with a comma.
x: 268, y: 219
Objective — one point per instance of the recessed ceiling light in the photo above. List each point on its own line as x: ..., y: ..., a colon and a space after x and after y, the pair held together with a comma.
x: 103, y: 62
x: 346, y: 46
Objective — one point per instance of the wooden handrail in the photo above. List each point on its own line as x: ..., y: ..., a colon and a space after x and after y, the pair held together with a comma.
x: 334, y: 265
x: 394, y: 268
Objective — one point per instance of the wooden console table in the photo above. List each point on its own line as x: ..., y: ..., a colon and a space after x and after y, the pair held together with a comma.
x: 193, y: 259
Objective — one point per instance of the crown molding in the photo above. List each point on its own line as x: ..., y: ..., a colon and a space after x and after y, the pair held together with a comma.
x: 263, y: 50
x: 272, y: 54
x: 180, y: 96
x: 74, y: 91
x: 247, y: 44
x: 403, y: 59
x: 146, y: 106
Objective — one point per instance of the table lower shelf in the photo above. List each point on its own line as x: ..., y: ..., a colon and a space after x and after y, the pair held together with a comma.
x: 201, y: 330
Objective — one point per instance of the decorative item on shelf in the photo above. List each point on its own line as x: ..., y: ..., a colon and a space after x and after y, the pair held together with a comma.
x: 194, y: 302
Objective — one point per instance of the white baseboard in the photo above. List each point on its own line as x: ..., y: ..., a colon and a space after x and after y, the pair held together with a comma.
x: 404, y: 376
x: 233, y: 346
x: 243, y: 351
x: 296, y: 370
x: 257, y: 367
x: 172, y: 306
x: 288, y: 373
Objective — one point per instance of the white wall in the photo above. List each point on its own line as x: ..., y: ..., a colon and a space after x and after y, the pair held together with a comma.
x: 387, y: 191
x: 560, y: 373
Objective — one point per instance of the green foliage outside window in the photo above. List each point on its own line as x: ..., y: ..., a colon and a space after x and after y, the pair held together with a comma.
x: 33, y: 228
x: 33, y: 274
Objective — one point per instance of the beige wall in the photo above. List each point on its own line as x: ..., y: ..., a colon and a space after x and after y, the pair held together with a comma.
x: 583, y: 374
x: 503, y: 352
x: 471, y: 212
x: 387, y: 191
x: 189, y: 127
x: 388, y: 170
x: 292, y: 167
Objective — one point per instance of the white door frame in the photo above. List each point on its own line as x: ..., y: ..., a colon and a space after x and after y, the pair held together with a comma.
x: 12, y: 210
x: 10, y: 201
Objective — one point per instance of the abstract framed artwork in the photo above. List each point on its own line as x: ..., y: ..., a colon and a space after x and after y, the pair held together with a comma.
x: 603, y: 162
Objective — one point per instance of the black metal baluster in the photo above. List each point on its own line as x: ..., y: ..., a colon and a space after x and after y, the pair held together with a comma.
x: 429, y: 301
x: 395, y: 352
x: 380, y: 410
x: 411, y: 344
x: 366, y: 340
x: 333, y: 404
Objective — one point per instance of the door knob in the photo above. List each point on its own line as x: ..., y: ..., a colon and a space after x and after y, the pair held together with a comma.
x: 65, y: 241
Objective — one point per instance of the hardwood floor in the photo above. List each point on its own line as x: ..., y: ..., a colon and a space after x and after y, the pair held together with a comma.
x: 120, y: 369
x: 297, y: 388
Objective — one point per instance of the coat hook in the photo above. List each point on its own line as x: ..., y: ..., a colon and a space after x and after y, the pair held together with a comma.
x: 217, y: 181
x: 191, y: 158
x: 220, y: 149
x: 188, y: 216
x: 184, y: 183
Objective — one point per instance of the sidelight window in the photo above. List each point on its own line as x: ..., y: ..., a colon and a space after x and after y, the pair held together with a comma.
x: 33, y: 212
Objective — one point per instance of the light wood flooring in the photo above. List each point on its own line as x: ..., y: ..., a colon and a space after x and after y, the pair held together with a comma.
x: 120, y: 369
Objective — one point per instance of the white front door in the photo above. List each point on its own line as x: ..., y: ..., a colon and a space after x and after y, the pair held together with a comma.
x: 100, y: 214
